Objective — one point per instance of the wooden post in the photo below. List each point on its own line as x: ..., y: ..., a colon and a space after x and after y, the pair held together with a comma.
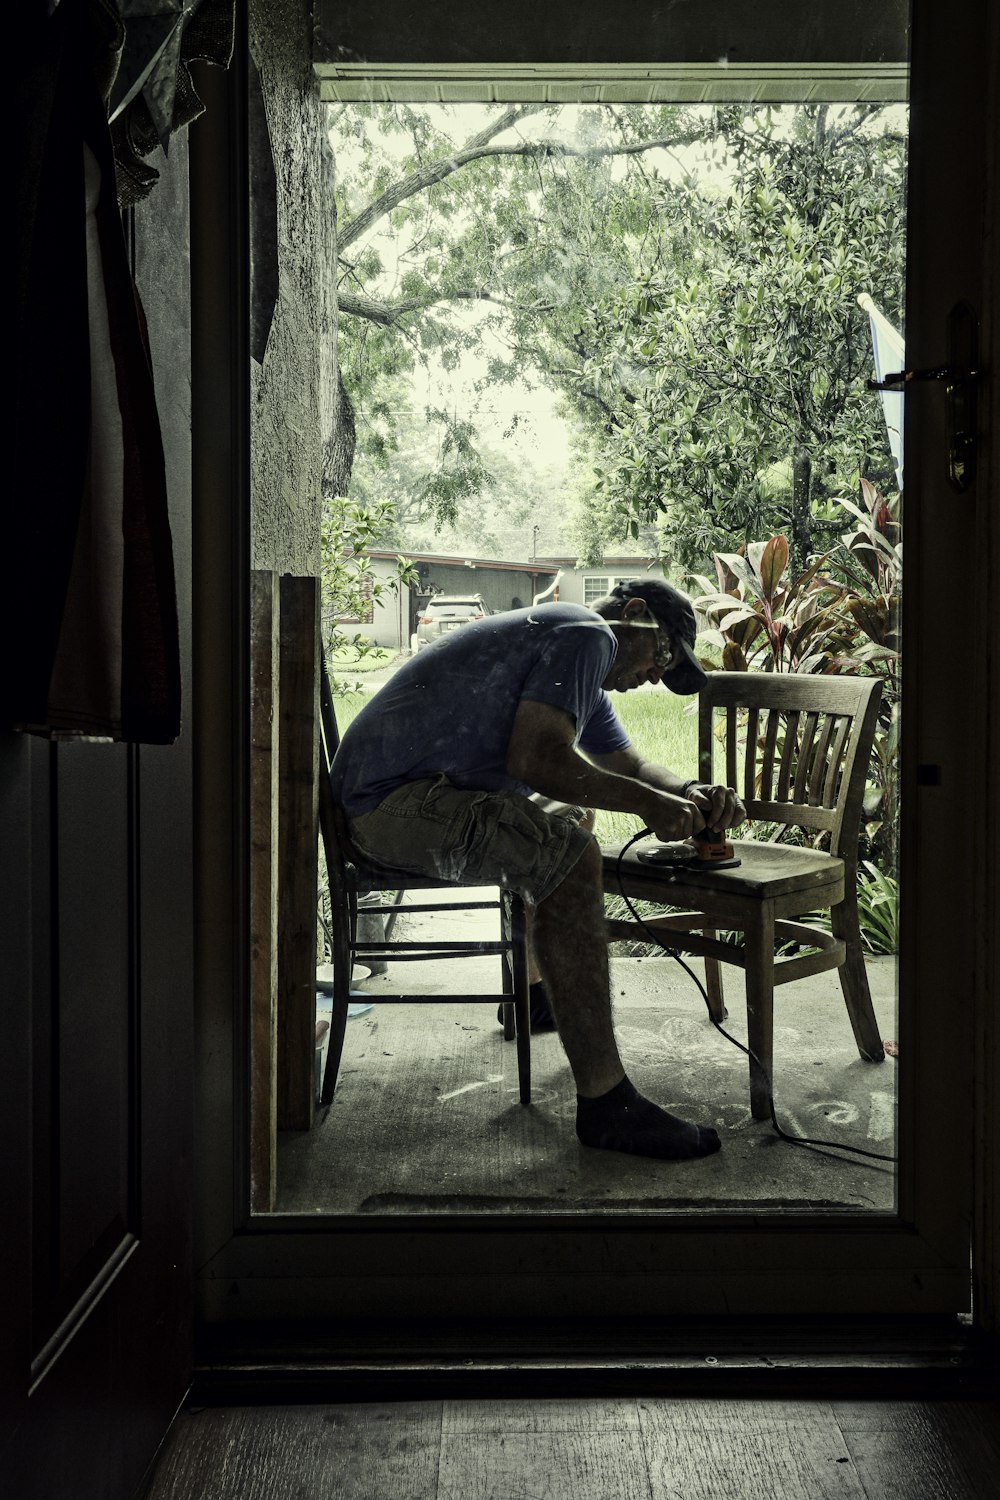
x: 264, y: 623
x: 298, y: 794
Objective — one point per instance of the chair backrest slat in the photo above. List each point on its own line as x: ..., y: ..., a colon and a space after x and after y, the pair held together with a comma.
x: 732, y: 747
x: 331, y: 816
x: 788, y: 749
x: 749, y: 763
x: 767, y: 757
x: 796, y: 745
x: 834, y: 765
x: 817, y: 774
x: 802, y: 766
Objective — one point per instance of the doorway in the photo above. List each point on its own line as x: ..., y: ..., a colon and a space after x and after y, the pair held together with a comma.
x: 867, y: 1262
x: 721, y: 251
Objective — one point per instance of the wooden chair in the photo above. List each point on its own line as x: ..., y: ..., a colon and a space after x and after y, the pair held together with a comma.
x: 351, y: 877
x: 797, y: 749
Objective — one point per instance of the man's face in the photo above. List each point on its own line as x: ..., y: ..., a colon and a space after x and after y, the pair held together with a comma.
x: 645, y: 651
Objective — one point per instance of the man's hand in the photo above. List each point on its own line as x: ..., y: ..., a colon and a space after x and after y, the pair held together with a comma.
x: 671, y: 817
x: 720, y: 807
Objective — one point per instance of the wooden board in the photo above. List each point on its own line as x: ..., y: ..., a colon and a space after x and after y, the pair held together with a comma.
x: 623, y: 1448
x: 755, y: 1449
x: 264, y: 626
x: 289, y: 1452
x: 298, y: 812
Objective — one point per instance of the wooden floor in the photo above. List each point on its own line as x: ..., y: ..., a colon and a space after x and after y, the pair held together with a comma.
x: 615, y: 1449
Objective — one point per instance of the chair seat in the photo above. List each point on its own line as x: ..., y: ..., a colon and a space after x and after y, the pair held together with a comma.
x: 365, y: 877
x: 765, y: 871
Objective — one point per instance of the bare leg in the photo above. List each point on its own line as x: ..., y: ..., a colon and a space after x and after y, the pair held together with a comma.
x: 572, y: 952
x: 534, y: 972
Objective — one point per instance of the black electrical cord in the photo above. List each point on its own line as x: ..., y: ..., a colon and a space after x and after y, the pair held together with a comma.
x: 794, y: 1140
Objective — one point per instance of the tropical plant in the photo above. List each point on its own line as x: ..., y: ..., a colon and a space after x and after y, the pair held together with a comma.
x: 841, y: 614
x: 878, y: 909
x: 763, y: 621
x: 870, y: 561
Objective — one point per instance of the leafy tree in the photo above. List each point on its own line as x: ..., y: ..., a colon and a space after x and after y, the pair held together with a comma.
x: 734, y: 377
x: 703, y: 327
x: 529, y: 230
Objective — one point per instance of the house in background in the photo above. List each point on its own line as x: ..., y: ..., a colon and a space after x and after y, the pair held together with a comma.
x: 392, y: 618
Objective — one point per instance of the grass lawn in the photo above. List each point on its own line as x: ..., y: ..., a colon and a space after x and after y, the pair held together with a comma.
x: 664, y: 728
x: 346, y: 660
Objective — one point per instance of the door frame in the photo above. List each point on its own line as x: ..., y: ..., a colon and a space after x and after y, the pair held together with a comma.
x: 914, y: 1263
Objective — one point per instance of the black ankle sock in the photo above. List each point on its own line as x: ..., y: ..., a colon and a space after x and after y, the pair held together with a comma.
x: 623, y: 1120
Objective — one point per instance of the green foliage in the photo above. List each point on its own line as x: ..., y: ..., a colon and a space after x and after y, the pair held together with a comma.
x: 878, y: 909
x: 349, y: 588
x: 697, y: 309
x: 840, y: 615
x: 763, y: 621
x: 735, y: 374
x: 521, y: 223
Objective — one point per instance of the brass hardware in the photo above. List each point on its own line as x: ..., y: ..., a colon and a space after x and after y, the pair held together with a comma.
x: 960, y: 378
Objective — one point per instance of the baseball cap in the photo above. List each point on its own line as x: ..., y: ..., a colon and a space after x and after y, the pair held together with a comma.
x: 673, y: 611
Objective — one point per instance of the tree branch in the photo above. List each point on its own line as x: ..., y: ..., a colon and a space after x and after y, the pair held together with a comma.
x: 437, y: 171
x: 388, y: 314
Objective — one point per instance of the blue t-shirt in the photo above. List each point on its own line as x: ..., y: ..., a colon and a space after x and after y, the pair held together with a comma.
x: 450, y: 709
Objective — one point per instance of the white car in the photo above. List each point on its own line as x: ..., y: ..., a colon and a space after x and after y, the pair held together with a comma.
x: 446, y: 612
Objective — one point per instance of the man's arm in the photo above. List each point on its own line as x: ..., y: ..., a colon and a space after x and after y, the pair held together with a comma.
x: 719, y: 805
x: 542, y: 755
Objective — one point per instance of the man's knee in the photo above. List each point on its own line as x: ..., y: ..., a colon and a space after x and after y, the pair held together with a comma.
x: 586, y: 872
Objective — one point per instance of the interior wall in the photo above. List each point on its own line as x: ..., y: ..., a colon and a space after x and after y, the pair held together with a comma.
x: 96, y: 953
x: 293, y: 239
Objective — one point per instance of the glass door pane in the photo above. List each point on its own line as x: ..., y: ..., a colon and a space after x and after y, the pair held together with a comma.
x: 828, y: 1251
x: 662, y: 373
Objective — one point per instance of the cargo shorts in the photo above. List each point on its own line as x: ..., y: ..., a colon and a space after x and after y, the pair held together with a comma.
x: 528, y: 844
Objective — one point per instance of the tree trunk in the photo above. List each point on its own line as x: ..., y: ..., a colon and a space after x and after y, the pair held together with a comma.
x: 338, y: 451
x: 800, y: 542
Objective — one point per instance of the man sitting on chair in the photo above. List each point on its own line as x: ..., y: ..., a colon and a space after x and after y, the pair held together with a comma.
x: 437, y: 775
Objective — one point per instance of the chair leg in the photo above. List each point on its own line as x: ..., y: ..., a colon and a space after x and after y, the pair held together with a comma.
x: 507, y: 969
x: 334, y: 1052
x: 341, y: 928
x: 522, y: 1005
x: 854, y: 978
x: 759, y: 939
x: 713, y: 984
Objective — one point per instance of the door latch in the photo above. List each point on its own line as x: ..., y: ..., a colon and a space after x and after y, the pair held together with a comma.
x: 960, y: 377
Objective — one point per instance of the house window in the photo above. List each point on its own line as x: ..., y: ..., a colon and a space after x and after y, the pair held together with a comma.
x: 596, y: 587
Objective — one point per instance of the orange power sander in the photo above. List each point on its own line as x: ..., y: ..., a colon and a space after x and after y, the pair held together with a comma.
x: 706, y: 849
x: 712, y: 848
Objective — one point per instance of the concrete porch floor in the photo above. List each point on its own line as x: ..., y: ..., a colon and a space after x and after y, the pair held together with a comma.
x: 426, y: 1116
